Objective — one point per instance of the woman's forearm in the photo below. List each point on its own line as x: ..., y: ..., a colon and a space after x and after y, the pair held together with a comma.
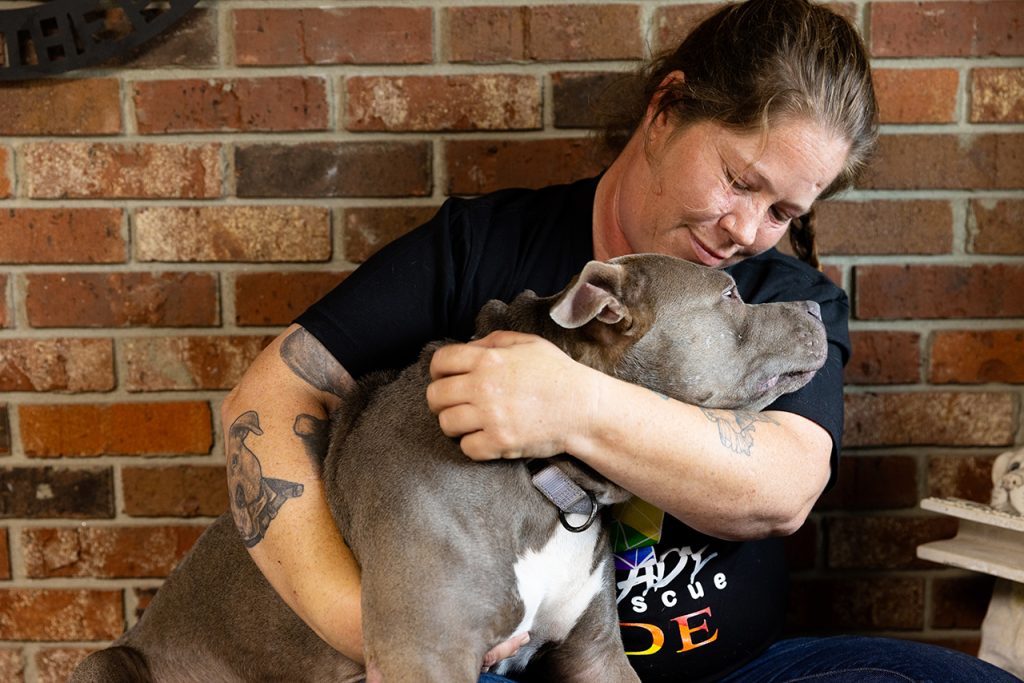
x: 731, y: 474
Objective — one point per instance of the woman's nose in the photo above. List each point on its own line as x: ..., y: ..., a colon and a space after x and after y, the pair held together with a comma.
x: 741, y: 223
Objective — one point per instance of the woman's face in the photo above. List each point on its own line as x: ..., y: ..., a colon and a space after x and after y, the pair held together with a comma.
x: 714, y: 196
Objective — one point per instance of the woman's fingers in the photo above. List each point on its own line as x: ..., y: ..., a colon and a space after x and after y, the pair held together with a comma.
x: 505, y: 650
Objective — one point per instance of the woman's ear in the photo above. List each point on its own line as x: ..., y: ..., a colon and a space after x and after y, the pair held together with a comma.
x: 653, y: 121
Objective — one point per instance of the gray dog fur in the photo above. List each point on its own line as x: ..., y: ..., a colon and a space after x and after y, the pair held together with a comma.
x: 442, y: 540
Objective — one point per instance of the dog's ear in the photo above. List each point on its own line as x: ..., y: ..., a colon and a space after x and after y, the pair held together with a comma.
x: 493, y: 316
x: 1000, y: 466
x: 594, y: 295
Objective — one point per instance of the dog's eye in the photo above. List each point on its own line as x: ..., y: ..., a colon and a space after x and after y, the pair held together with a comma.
x: 1013, y: 466
x: 731, y: 293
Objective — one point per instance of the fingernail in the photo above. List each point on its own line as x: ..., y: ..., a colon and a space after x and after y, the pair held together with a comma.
x: 524, y: 639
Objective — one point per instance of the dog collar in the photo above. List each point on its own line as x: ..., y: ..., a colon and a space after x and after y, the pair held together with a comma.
x: 567, y: 496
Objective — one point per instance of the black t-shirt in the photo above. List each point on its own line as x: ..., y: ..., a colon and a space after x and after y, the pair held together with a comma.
x: 693, y: 608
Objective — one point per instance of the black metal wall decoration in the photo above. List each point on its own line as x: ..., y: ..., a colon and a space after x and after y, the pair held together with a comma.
x: 60, y: 35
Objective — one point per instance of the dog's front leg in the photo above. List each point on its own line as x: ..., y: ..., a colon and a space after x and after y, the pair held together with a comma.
x: 431, y: 623
x: 593, y: 650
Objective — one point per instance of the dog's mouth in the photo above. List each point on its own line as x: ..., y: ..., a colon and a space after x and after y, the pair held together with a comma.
x: 785, y: 382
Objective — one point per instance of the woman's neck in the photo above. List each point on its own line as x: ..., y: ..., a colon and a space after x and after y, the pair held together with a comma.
x: 608, y: 239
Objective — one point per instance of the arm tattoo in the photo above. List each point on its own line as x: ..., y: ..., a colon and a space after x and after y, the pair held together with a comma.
x: 254, y: 499
x: 308, y: 359
x: 313, y: 433
x: 736, y: 427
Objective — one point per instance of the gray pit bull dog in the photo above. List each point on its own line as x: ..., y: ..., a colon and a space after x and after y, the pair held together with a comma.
x: 457, y: 556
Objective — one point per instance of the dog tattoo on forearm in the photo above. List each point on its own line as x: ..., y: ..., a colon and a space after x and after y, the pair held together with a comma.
x: 736, y: 428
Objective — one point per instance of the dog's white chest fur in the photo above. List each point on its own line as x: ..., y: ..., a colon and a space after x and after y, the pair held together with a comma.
x: 556, y: 584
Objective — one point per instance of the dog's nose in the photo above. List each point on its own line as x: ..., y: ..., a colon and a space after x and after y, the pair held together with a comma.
x: 814, y: 309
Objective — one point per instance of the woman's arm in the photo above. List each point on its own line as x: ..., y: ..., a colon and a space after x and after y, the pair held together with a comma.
x: 275, y: 422
x: 730, y: 474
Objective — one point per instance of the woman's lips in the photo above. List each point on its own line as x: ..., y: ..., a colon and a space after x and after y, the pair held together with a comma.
x: 705, y: 255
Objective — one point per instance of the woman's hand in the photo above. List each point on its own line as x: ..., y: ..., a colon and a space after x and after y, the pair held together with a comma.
x: 504, y: 650
x: 509, y: 395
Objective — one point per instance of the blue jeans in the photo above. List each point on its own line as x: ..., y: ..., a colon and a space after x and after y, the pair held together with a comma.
x: 854, y: 659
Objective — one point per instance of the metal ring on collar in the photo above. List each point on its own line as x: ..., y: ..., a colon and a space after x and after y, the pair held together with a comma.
x: 586, y: 524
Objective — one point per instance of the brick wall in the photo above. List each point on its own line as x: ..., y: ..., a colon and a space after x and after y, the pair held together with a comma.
x: 161, y: 220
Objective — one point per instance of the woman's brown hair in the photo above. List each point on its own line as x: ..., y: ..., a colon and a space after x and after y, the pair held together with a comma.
x: 755, y: 63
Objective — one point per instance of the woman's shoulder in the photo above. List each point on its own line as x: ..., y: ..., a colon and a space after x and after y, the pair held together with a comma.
x: 513, y: 205
x: 775, y: 276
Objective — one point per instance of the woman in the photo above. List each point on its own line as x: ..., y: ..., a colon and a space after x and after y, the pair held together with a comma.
x: 764, y: 109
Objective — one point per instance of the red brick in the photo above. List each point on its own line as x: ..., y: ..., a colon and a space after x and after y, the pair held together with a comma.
x: 586, y: 99
x: 939, y: 291
x: 671, y: 24
x: 233, y: 233
x: 950, y: 162
x: 56, y: 492
x: 544, y: 33
x: 997, y: 95
x: 175, y: 491
x: 479, y: 166
x: 239, y: 104
x: 867, y: 227
x: 5, y: 177
x: 185, y: 363
x: 143, y: 598
x: 960, y: 602
x: 90, y: 106
x: 883, y: 542
x: 106, y: 552
x: 343, y: 169
x: 121, y: 300
x: 946, y: 29
x: 976, y: 357
x: 994, y: 227
x: 62, y: 364
x: 278, y: 298
x: 882, y: 357
x: 93, y: 170
x: 116, y: 429
x: 916, y: 95
x: 961, y: 476
x: 867, y: 482
x: 441, y: 103
x: 358, y: 35
x: 5, y: 431
x: 367, y: 229
x: 5, y: 555
x: 61, y: 236
x: 488, y: 35
x: 12, y: 667
x: 55, y: 664
x: 930, y: 419
x: 191, y: 42
x: 870, y: 603
x: 802, y: 547
x: 60, y: 614
x: 585, y: 32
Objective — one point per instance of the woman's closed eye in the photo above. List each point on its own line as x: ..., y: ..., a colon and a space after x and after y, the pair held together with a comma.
x: 736, y: 183
x: 778, y: 215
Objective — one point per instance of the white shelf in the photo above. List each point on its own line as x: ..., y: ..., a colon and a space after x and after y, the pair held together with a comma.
x: 987, y: 541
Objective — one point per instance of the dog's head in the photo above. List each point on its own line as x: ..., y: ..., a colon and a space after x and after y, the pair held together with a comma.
x: 675, y: 327
x: 1008, y: 482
